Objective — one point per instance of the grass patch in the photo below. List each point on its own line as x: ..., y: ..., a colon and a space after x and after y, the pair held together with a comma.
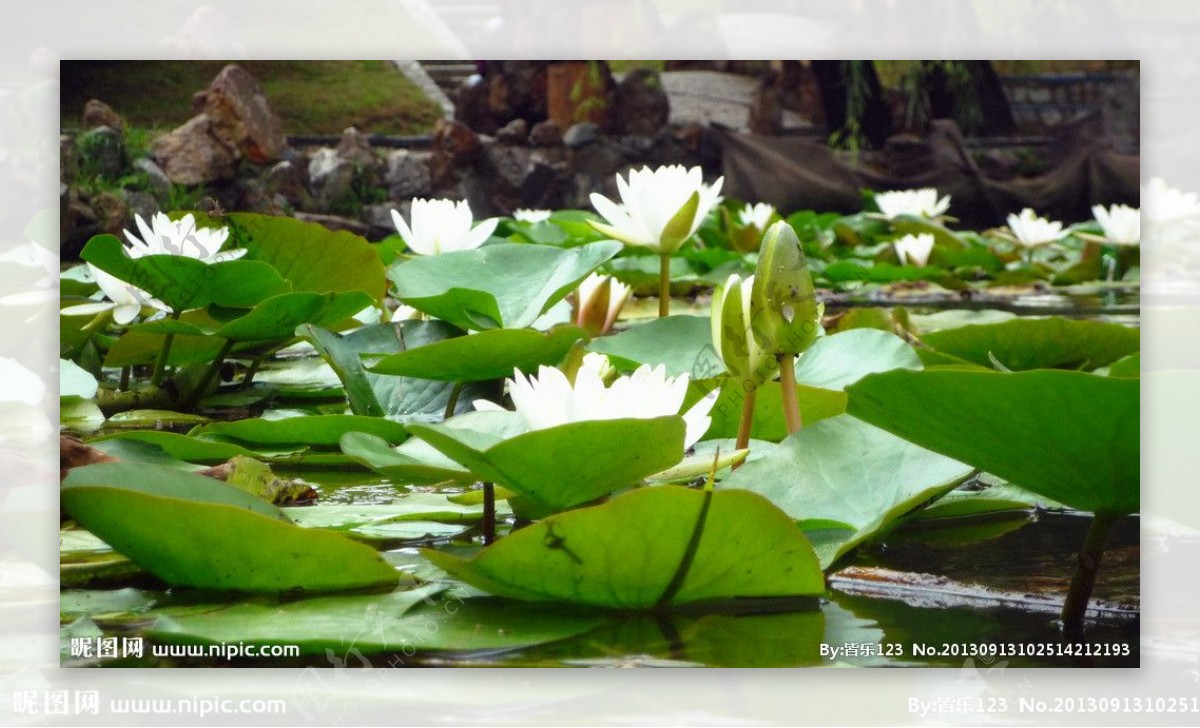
x: 311, y: 97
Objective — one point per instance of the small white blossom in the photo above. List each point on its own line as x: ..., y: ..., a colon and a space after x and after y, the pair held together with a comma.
x: 442, y: 226
x: 1032, y: 231
x: 531, y: 216
x: 1122, y: 224
x: 918, y: 203
x: 757, y: 215
x: 914, y: 249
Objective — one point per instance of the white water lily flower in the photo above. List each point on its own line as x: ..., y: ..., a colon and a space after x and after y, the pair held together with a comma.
x: 599, y: 301
x: 757, y: 215
x: 164, y: 236
x: 550, y: 400
x: 651, y: 201
x: 1032, y: 231
x: 531, y: 216
x: 442, y: 226
x: 1122, y: 224
x: 918, y: 203
x: 914, y: 249
x: 406, y: 313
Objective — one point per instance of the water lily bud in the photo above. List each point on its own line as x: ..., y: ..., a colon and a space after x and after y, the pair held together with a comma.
x: 731, y: 336
x: 598, y: 301
x: 785, y: 315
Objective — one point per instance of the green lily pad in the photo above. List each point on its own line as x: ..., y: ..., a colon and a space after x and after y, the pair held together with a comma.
x: 183, y: 447
x: 140, y: 346
x: 155, y: 418
x: 505, y: 285
x: 401, y: 622
x: 193, y: 531
x: 843, y: 471
x: 379, y: 395
x: 815, y: 404
x: 658, y: 547
x: 185, y: 283
x: 306, y: 430
x: 412, y: 507
x: 1070, y: 436
x: 278, y: 317
x: 1126, y: 366
x: 489, y: 354
x: 564, y: 466
x: 834, y: 362
x: 682, y: 343
x: 416, y: 461
x: 309, y: 255
x: 1048, y: 343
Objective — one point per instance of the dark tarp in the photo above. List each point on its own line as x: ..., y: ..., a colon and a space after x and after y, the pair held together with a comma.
x: 795, y: 173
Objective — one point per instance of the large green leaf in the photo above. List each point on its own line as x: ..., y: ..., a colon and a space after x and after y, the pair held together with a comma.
x: 485, y: 355
x: 505, y: 285
x: 416, y: 461
x: 182, y: 447
x: 193, y: 531
x: 682, y: 343
x: 311, y: 256
x: 815, y: 404
x: 847, y: 472
x: 833, y: 362
x: 1069, y: 436
x: 139, y: 345
x: 564, y: 466
x: 377, y: 395
x: 399, y: 623
x: 184, y: 283
x: 1048, y: 343
x: 657, y: 547
x: 308, y: 430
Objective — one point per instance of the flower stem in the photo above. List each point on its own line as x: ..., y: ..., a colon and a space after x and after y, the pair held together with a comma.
x: 791, y: 399
x: 1084, y: 578
x: 747, y: 421
x: 664, y: 285
x: 123, y: 385
x: 457, y: 390
x: 489, y: 514
x: 160, y: 366
x: 202, y: 386
x: 248, y: 378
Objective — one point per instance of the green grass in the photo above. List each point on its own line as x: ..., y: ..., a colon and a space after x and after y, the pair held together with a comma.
x: 311, y: 97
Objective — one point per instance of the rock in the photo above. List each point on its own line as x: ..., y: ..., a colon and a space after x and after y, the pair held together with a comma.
x: 355, y: 147
x: 141, y: 203
x: 511, y: 164
x: 286, y: 180
x: 471, y: 107
x: 998, y: 164
x: 334, y: 222
x: 601, y: 159
x: 456, y: 141
x: 68, y: 159
x: 640, y: 105
x: 514, y: 132
x: 581, y: 134
x: 545, y: 134
x: 192, y: 155
x: 96, y: 113
x: 766, y: 111
x: 101, y: 153
x: 330, y: 178
x: 111, y: 213
x: 160, y: 183
x: 255, y: 196
x: 407, y: 175
x: 241, y: 116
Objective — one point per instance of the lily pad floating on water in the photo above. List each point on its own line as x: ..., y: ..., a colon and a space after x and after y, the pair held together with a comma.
x: 189, y: 530
x: 564, y: 466
x: 847, y: 482
x: 306, y: 430
x: 485, y: 355
x: 662, y: 547
x: 184, y: 283
x: 400, y: 622
x: 1048, y: 343
x: 505, y: 285
x: 1070, y: 436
